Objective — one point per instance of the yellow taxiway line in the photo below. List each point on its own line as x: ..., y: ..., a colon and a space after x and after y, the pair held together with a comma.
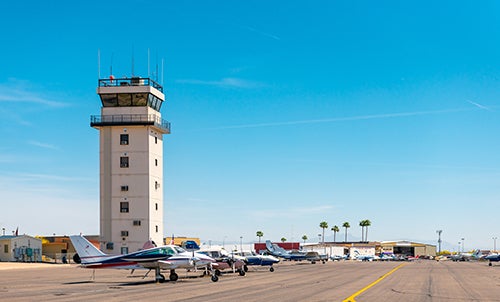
x: 351, y: 298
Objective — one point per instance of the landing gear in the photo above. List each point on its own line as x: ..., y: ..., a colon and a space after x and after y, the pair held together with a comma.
x: 241, y: 272
x: 214, y: 278
x: 217, y: 272
x: 158, y: 276
x: 271, y: 269
x: 173, y: 276
x: 245, y: 268
x: 489, y: 264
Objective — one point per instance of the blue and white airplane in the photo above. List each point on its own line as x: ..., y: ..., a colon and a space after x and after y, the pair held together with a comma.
x: 168, y: 257
x: 258, y: 260
x: 280, y: 252
x: 492, y: 258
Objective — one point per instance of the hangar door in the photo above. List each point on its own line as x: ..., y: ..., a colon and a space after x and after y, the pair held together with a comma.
x: 404, y: 250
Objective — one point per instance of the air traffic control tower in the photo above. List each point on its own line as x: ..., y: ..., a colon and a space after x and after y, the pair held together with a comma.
x: 131, y: 159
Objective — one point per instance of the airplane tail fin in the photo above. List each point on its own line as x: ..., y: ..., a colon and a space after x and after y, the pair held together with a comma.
x: 87, y: 252
x: 269, y: 246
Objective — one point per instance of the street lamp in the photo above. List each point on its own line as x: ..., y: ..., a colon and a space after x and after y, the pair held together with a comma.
x: 241, y: 243
x: 495, y: 244
x: 319, y: 238
x: 463, y: 244
x: 459, y: 247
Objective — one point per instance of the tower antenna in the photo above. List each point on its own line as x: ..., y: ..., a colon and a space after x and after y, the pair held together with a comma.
x: 132, y: 60
x: 162, y: 72
x: 148, y: 64
x: 156, y: 74
x: 98, y: 63
x: 111, y: 65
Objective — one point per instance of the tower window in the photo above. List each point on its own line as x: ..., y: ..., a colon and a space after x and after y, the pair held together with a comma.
x: 124, y: 207
x: 124, y: 162
x: 156, y: 162
x: 124, y: 188
x: 123, y: 139
x: 109, y: 245
x: 6, y: 248
x: 156, y: 229
x: 156, y: 206
x: 156, y: 140
x: 124, y: 233
x: 157, y: 185
x: 137, y: 222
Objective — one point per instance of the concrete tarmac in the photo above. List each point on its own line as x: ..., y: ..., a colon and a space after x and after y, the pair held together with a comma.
x: 423, y: 280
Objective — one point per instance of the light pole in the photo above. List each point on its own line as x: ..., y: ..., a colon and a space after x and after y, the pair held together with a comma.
x: 459, y: 247
x: 494, y: 243
x: 3, y: 231
x: 439, y: 239
x: 319, y: 238
x: 463, y: 245
x: 241, y: 243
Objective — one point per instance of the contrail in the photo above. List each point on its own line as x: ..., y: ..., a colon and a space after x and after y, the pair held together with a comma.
x: 341, y: 119
x: 479, y: 105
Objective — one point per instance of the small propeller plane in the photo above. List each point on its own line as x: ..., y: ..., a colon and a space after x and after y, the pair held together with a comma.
x: 492, y: 258
x: 251, y: 258
x: 280, y: 252
x: 168, y: 257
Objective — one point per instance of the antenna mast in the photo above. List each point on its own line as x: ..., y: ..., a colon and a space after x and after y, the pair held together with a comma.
x: 98, y: 63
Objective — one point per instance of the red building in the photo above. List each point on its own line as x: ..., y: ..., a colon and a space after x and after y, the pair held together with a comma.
x: 258, y: 247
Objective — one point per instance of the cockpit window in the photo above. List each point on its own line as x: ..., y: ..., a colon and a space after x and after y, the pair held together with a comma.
x: 179, y: 249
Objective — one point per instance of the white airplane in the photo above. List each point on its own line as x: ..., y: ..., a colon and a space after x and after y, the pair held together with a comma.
x: 225, y: 260
x: 168, y: 257
x: 360, y: 257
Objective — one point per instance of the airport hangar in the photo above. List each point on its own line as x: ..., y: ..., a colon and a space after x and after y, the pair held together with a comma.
x: 399, y: 247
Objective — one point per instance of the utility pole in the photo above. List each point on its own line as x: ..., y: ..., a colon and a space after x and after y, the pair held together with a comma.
x: 439, y: 239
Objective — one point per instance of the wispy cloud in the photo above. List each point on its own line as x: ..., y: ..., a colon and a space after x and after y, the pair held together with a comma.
x: 341, y: 119
x: 43, y: 145
x: 479, y: 105
x: 262, y: 33
x: 17, y: 91
x: 224, y: 83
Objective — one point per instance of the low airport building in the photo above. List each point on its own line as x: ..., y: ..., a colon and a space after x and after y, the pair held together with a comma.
x: 59, y: 249
x: 407, y: 248
x: 398, y: 247
x: 21, y: 248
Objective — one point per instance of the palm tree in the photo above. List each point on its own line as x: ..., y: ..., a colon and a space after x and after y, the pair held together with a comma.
x: 323, y: 225
x: 346, y: 225
x: 260, y: 234
x: 335, y: 230
x: 304, y: 238
x: 367, y: 224
x: 283, y: 239
x: 362, y: 225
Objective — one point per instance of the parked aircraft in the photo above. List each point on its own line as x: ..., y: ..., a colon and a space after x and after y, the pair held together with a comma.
x: 358, y: 256
x: 224, y: 260
x: 492, y: 258
x: 258, y: 260
x: 168, y: 257
x: 467, y: 256
x: 280, y: 252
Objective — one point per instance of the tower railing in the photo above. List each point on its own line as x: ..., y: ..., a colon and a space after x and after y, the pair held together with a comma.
x: 129, y: 119
x: 133, y: 81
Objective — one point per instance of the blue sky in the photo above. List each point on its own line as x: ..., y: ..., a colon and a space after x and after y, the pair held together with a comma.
x: 284, y: 114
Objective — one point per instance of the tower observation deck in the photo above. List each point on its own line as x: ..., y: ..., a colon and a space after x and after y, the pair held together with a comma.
x: 130, y: 92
